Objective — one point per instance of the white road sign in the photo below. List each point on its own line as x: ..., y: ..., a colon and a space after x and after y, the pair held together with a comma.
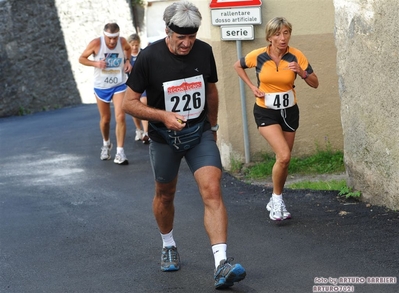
x: 236, y: 16
x: 237, y: 32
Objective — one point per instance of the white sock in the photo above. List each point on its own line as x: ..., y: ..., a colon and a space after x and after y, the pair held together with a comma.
x: 168, y: 240
x: 219, y: 253
x: 277, y: 197
x: 119, y: 150
x: 106, y: 142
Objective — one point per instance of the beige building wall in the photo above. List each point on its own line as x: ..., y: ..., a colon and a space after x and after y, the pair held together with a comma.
x: 313, y: 27
x: 320, y: 123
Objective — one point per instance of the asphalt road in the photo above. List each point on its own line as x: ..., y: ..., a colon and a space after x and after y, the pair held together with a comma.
x: 72, y: 223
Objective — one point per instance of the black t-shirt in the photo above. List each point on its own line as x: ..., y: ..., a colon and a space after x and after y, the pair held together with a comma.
x: 156, y: 64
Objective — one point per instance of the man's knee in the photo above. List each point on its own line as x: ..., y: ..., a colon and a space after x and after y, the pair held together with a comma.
x: 105, y: 119
x: 210, y: 190
x: 165, y: 191
x: 120, y: 118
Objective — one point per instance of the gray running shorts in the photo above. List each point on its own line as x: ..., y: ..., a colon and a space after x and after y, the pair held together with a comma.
x: 165, y: 161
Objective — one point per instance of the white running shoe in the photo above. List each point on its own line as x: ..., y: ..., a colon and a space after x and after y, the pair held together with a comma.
x: 106, y: 152
x: 121, y: 159
x: 139, y: 135
x: 278, y: 211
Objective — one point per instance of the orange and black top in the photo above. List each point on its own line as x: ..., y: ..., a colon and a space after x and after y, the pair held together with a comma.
x: 275, y: 80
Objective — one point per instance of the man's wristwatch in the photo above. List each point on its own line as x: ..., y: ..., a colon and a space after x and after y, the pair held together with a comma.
x: 215, y: 128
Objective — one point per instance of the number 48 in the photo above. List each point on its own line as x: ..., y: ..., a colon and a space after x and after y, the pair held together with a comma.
x: 277, y: 101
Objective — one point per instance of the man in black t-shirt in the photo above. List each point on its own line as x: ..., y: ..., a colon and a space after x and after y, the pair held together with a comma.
x: 179, y: 75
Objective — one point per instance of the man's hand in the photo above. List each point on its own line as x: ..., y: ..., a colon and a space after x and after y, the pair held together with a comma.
x: 127, y: 67
x: 174, y: 121
x: 102, y: 64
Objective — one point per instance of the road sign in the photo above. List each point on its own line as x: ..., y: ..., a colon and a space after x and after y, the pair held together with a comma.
x: 234, y: 3
x: 234, y: 16
x: 237, y: 32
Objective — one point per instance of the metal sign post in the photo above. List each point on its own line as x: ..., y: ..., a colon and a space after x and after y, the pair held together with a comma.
x: 236, y: 24
x: 243, y: 109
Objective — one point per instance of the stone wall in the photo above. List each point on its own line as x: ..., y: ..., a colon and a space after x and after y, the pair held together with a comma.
x: 35, y: 74
x: 40, y: 44
x: 367, y: 40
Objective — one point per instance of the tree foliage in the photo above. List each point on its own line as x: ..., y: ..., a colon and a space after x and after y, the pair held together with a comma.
x: 137, y: 3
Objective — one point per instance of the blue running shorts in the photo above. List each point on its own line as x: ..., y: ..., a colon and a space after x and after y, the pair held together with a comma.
x: 106, y: 95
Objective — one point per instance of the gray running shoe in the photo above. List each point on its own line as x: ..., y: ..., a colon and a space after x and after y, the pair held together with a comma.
x: 227, y: 274
x: 278, y: 211
x: 170, y: 259
x: 106, y: 152
x: 121, y: 159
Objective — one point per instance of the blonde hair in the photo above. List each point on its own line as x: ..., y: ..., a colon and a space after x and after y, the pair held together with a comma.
x: 133, y: 37
x: 275, y: 25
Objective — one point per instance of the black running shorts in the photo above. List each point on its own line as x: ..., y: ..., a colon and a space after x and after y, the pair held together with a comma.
x: 287, y: 118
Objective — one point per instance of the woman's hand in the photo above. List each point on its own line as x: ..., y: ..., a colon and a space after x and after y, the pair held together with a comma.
x: 257, y: 92
x: 310, y: 79
x: 296, y: 68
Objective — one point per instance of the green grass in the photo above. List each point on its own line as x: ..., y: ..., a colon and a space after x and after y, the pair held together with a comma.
x: 320, y: 185
x: 348, y: 192
x: 322, y: 162
x: 338, y: 185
